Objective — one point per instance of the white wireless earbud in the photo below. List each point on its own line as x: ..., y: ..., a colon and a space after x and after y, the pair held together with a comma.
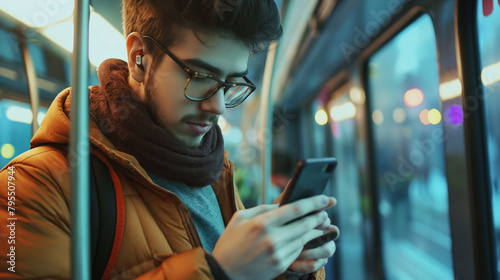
x: 138, y: 61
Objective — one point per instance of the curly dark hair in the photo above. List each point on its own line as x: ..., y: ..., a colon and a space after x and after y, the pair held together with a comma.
x: 255, y: 22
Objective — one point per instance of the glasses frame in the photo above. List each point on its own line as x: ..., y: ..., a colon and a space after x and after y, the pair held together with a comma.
x: 194, y: 74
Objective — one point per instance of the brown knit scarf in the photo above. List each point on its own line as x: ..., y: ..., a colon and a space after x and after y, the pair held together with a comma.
x: 124, y: 119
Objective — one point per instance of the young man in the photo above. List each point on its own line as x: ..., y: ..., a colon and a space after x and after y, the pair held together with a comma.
x: 154, y: 124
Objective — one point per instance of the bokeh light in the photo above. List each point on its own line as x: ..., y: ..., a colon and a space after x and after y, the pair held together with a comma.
x: 7, y: 150
x: 399, y: 115
x: 434, y: 116
x: 321, y: 117
x: 424, y: 117
x: 413, y: 97
x: 491, y: 74
x: 455, y: 115
x: 19, y: 114
x: 357, y: 96
x: 378, y: 117
x: 343, y: 111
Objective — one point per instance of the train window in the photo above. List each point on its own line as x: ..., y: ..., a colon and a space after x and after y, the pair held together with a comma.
x: 346, y: 185
x: 489, y: 59
x: 15, y: 121
x: 38, y: 58
x: 408, y: 157
x: 10, y: 47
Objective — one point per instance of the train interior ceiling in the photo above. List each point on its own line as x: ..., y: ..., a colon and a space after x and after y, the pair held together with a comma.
x: 402, y: 92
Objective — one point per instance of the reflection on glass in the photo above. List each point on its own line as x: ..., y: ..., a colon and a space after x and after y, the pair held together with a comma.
x: 346, y: 186
x: 409, y: 156
x: 489, y: 57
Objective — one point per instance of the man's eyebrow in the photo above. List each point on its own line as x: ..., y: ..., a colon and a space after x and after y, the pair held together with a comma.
x: 216, y: 71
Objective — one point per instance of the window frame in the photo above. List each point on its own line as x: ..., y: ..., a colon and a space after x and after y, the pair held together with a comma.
x: 475, y: 132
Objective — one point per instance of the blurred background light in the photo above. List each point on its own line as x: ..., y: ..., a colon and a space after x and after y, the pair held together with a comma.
x: 357, y: 96
x: 342, y: 112
x: 19, y: 114
x: 7, y: 150
x: 491, y: 74
x: 39, y: 14
x: 105, y: 41
x: 450, y: 90
x: 54, y: 20
x: 434, y: 116
x: 424, y: 117
x: 22, y: 115
x: 399, y: 115
x: 455, y: 115
x: 321, y: 117
x: 413, y: 97
x: 378, y: 117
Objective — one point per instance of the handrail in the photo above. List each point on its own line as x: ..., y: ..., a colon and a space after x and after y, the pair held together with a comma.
x: 267, y: 106
x: 32, y: 83
x: 79, y: 146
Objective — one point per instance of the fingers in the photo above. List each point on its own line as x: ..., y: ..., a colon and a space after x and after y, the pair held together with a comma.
x: 325, y: 251
x: 306, y: 224
x: 334, y: 201
x: 309, y: 266
x: 249, y: 213
x: 297, y: 235
x: 326, y: 224
x: 311, y: 260
x: 292, y: 211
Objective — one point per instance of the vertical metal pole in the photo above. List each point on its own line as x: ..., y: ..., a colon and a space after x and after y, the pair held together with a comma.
x: 267, y: 106
x: 32, y: 85
x: 79, y: 142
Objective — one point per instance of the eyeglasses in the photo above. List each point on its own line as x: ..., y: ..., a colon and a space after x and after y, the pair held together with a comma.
x: 201, y: 86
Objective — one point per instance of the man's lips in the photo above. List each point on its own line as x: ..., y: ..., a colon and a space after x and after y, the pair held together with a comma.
x: 199, y: 127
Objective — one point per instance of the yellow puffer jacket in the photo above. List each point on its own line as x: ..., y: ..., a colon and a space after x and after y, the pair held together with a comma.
x: 159, y: 238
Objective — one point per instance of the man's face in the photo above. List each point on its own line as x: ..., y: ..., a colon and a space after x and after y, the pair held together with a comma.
x: 189, y: 120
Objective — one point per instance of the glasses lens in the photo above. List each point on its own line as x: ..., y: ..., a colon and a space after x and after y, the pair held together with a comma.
x: 236, y: 95
x: 200, y: 87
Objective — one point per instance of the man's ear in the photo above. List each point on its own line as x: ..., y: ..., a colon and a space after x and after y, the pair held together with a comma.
x: 137, y: 62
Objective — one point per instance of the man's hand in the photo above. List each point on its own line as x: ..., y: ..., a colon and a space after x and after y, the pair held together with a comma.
x: 310, y: 260
x: 258, y: 243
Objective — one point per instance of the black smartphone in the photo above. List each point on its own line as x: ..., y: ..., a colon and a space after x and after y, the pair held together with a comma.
x: 309, y: 179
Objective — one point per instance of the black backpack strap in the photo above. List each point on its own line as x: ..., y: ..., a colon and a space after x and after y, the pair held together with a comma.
x: 103, y: 215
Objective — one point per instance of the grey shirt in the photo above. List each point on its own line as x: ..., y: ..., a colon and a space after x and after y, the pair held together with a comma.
x: 203, y: 207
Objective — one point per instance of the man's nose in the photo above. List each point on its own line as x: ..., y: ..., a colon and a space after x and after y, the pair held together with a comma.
x: 215, y: 104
